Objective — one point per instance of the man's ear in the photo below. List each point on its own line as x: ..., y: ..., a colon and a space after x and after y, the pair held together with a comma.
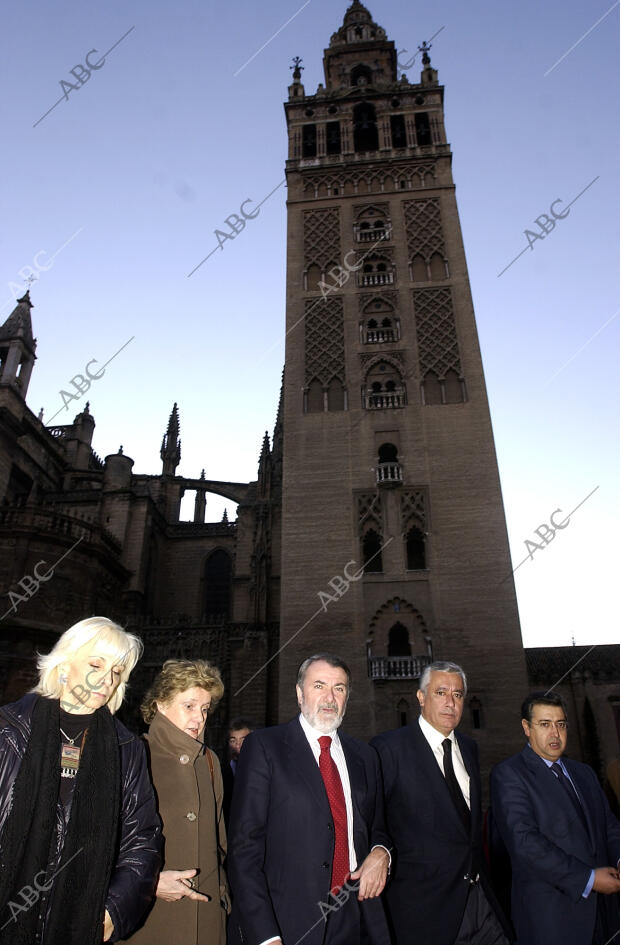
x: 420, y: 696
x: 526, y: 727
x: 299, y: 695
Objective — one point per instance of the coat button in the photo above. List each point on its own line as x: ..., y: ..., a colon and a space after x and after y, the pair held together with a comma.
x: 184, y: 759
x: 191, y: 815
x: 325, y: 866
x: 466, y: 877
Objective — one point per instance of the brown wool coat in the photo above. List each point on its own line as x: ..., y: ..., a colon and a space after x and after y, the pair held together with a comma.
x: 182, y: 780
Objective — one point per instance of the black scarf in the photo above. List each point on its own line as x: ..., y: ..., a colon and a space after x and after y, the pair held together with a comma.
x: 80, y: 879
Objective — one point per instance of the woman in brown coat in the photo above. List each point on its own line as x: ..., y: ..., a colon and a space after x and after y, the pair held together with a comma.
x: 192, y: 894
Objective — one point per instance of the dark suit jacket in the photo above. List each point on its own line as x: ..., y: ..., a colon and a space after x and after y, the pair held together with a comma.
x: 551, y: 852
x: 281, y: 838
x: 433, y: 854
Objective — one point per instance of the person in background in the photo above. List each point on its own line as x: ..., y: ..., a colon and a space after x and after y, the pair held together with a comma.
x: 237, y: 731
x: 80, y: 839
x: 563, y: 840
x: 192, y: 894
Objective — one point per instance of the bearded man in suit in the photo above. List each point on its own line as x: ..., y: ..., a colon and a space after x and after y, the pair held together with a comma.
x: 308, y: 853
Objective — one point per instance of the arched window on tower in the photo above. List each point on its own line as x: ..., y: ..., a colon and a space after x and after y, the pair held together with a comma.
x: 475, y: 707
x: 313, y: 277
x: 416, y: 550
x: 384, y: 387
x: 335, y: 395
x: 422, y: 129
x: 382, y: 325
x: 402, y: 712
x: 399, y: 135
x: 419, y: 272
x: 438, y: 268
x: 308, y: 141
x: 431, y: 389
x: 315, y: 400
x: 332, y: 137
x: 377, y: 270
x: 365, y: 134
x: 218, y: 576
x: 361, y: 72
x: 398, y: 641
x: 372, y: 224
x: 453, y: 388
x: 388, y: 453
x: 371, y: 552
x: 389, y: 470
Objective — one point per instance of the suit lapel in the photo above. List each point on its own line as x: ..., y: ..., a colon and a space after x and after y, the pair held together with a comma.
x: 305, y: 764
x: 425, y: 759
x: 553, y: 790
x: 469, y: 760
x: 357, y: 777
x: 583, y: 790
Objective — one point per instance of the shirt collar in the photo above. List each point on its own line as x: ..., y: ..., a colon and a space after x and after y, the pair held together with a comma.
x: 549, y: 763
x: 313, y: 734
x: 432, y: 736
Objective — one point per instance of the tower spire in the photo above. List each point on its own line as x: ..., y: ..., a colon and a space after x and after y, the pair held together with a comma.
x: 171, y: 444
x: 264, y: 467
x: 17, y: 347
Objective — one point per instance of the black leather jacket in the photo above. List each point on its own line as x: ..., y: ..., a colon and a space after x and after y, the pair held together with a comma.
x: 135, y: 873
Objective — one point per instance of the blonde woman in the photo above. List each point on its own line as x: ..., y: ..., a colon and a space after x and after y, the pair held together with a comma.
x: 192, y: 893
x: 80, y: 837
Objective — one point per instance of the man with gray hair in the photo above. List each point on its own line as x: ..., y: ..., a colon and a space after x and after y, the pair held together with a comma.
x: 308, y: 853
x: 438, y: 893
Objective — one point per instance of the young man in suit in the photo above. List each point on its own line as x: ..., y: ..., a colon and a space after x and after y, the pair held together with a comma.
x: 308, y: 851
x: 563, y: 840
x: 438, y: 893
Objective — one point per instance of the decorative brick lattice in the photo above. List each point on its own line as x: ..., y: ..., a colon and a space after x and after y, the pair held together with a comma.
x: 423, y: 225
x: 369, y: 512
x: 324, y: 333
x: 438, y: 347
x: 322, y: 237
x: 413, y: 510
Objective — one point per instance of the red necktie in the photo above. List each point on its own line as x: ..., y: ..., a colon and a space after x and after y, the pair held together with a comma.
x: 335, y: 796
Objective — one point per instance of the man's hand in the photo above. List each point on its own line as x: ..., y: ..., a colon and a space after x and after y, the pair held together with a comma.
x: 606, y: 880
x: 108, y: 926
x: 174, y: 884
x: 372, y: 874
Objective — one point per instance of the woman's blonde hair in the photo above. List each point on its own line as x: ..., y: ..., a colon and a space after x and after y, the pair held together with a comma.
x: 177, y: 676
x: 123, y: 648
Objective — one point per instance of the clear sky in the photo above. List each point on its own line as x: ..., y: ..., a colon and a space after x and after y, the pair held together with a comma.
x: 113, y: 198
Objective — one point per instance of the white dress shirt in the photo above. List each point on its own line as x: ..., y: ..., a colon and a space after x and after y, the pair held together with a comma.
x: 435, y: 740
x: 313, y: 735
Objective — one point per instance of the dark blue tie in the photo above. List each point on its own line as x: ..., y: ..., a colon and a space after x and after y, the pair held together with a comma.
x: 568, y: 789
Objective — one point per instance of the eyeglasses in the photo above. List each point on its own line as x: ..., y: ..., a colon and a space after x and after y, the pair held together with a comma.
x: 547, y: 724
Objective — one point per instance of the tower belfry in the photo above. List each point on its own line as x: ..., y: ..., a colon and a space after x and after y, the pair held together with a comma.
x: 391, y: 496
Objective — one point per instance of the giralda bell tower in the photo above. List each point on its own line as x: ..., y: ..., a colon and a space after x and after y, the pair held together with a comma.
x: 394, y: 544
